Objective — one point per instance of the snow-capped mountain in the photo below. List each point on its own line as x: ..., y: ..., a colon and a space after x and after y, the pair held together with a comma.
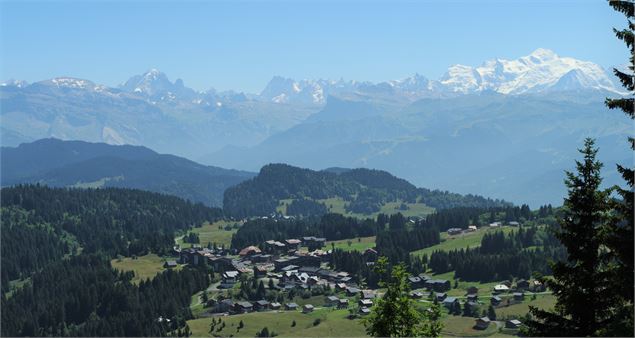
x: 539, y: 72
x: 286, y: 90
x: 156, y: 85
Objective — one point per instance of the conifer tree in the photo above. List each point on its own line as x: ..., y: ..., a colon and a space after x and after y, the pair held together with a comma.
x: 580, y: 284
x: 395, y: 314
x: 620, y: 235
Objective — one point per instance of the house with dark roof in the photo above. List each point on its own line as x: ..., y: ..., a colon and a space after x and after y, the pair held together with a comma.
x: 365, y: 303
x: 243, y: 307
x: 343, y: 303
x: 370, y: 255
x: 290, y: 306
x: 332, y: 301
x: 170, y: 264
x: 472, y: 297
x: 482, y: 323
x: 415, y: 282
x: 261, y: 305
x: 522, y: 284
x: 438, y: 285
x: 353, y: 291
x: 496, y: 300
x: 440, y: 296
x: 472, y: 290
x: 310, y: 270
x: 519, y: 296
x: 275, y: 306
x: 416, y: 295
x: 307, y: 308
x: 293, y: 244
x: 449, y: 302
x: 364, y: 311
x: 513, y: 324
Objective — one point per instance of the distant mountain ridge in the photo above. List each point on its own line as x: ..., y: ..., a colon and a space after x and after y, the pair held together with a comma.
x: 362, y: 191
x: 81, y: 164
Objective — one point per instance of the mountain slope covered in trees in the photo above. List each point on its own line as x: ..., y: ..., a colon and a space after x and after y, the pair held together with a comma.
x: 362, y: 191
x: 60, y: 241
x: 81, y: 164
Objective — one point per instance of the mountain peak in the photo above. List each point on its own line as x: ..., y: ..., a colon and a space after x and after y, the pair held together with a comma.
x: 543, y: 54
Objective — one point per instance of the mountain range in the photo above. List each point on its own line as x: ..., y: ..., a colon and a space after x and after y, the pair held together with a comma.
x: 82, y: 164
x: 505, y: 129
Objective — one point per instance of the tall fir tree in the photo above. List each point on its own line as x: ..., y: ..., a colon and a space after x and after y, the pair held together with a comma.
x: 395, y: 314
x: 619, y: 234
x: 580, y: 284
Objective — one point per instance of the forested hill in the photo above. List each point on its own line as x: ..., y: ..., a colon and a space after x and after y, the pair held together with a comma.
x: 59, y: 243
x: 82, y: 164
x: 358, y: 191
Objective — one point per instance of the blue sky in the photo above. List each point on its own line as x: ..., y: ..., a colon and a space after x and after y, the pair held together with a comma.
x: 241, y: 45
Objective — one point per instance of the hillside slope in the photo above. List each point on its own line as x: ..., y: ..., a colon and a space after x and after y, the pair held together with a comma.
x: 81, y: 164
x: 359, y: 191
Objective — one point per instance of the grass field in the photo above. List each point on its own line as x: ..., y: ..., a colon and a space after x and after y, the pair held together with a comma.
x: 360, y: 244
x: 338, y: 205
x: 545, y: 302
x: 144, y: 267
x: 470, y: 239
x: 333, y: 323
x: 457, y: 326
x: 211, y: 233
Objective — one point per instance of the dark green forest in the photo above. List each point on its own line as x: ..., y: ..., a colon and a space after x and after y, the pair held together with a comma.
x: 63, y: 239
x: 365, y: 190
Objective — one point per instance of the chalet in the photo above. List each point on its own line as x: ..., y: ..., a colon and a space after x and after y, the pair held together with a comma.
x: 370, y: 255
x: 416, y: 295
x: 471, y: 228
x: 307, y: 308
x: 498, y: 288
x: 472, y: 297
x: 496, y: 300
x: 495, y: 224
x: 261, y: 305
x: 343, y: 303
x: 332, y: 301
x: 368, y: 294
x: 249, y: 251
x: 514, y: 223
x: 274, y: 247
x: 482, y: 323
x: 274, y: 306
x: 352, y: 291
x: 243, y: 307
x: 519, y: 296
x: 261, y: 258
x: 289, y: 268
x: 260, y: 271
x: 537, y: 286
x: 170, y: 264
x: 187, y: 256
x: 364, y: 311
x: 449, y: 302
x: 310, y: 270
x: 522, y: 284
x: 415, y: 282
x: 307, y: 260
x: 225, y: 305
x: 220, y: 263
x: 440, y: 296
x: 346, y: 279
x: 365, y: 303
x: 513, y: 324
x: 340, y: 286
x: 454, y: 231
x: 293, y: 244
x: 229, y: 278
x: 472, y: 290
x: 291, y: 306
x: 438, y: 285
